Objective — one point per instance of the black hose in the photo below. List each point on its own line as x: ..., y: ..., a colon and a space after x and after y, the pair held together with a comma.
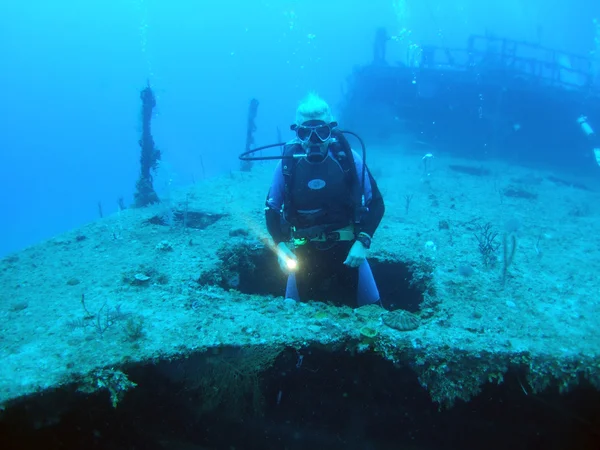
x: 245, y: 156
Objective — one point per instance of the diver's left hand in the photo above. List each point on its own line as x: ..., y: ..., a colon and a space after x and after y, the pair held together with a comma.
x: 356, y: 255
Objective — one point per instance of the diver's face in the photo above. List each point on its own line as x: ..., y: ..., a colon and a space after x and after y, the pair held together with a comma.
x: 314, y: 132
x: 315, y: 136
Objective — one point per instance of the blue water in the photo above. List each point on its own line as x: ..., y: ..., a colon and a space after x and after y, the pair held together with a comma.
x: 71, y: 71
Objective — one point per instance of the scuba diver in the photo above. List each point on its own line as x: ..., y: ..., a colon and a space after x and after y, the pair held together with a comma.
x: 322, y: 210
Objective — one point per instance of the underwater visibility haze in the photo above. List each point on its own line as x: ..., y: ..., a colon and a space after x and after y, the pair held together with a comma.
x: 300, y: 224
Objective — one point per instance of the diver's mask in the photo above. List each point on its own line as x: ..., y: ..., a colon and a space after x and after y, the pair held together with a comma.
x: 314, y: 136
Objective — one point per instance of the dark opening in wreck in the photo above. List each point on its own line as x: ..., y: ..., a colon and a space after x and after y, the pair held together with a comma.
x: 252, y: 268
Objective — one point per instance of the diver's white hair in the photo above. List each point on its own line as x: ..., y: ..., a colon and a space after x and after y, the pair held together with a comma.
x: 313, y: 107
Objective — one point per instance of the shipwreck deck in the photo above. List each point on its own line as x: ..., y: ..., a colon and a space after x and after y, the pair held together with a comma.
x: 85, y: 310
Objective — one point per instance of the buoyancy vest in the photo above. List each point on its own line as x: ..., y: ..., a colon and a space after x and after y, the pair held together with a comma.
x: 324, y: 196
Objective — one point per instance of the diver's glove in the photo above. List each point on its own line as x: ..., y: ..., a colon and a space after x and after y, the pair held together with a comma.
x: 357, y: 254
x: 286, y: 258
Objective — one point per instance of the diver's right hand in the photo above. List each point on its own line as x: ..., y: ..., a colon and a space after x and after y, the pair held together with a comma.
x: 286, y: 258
